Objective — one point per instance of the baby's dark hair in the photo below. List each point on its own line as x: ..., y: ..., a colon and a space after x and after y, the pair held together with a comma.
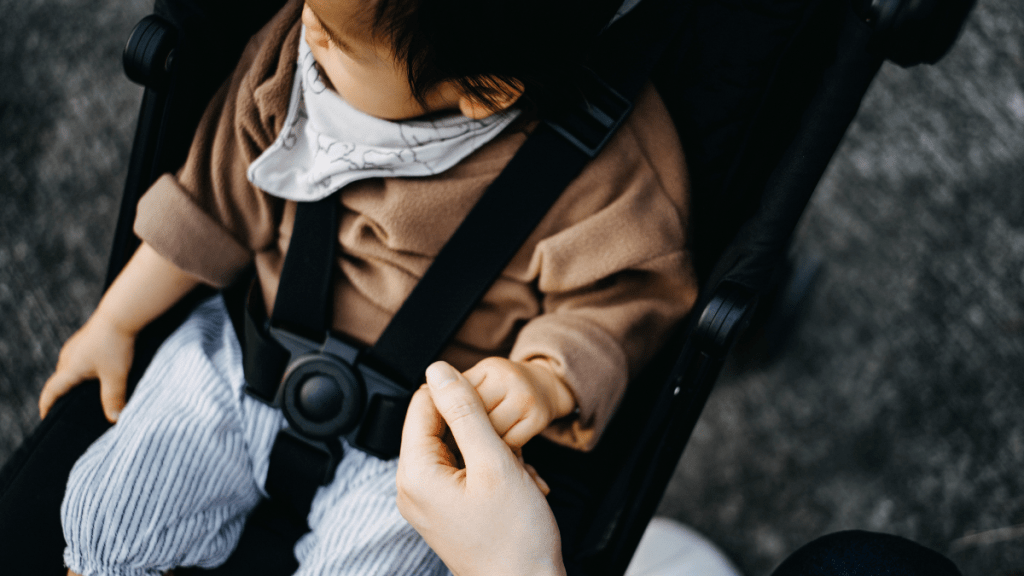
x: 491, y: 47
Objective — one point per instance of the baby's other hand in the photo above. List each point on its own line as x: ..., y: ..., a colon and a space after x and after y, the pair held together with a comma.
x: 98, y: 350
x: 521, y: 398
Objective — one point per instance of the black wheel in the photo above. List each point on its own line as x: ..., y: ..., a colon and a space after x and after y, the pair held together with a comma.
x: 911, y: 32
x: 150, y: 51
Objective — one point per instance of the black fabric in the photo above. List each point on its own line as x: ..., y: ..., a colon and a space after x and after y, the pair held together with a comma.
x: 303, y: 302
x: 298, y: 468
x: 916, y: 32
x: 479, y: 250
x: 719, y: 79
x: 859, y: 553
x: 211, y: 35
x: 383, y: 431
x: 265, y: 547
x: 304, y: 296
x: 264, y: 360
x: 748, y: 105
x: 32, y: 483
x: 826, y: 113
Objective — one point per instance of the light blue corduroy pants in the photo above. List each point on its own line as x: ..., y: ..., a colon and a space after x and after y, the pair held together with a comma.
x: 172, y: 483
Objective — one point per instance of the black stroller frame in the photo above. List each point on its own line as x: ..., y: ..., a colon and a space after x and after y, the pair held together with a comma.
x: 761, y: 92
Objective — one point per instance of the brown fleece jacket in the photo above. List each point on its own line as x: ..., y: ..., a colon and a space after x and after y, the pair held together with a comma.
x: 592, y: 293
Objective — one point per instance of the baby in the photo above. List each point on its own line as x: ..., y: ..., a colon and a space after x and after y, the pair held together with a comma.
x: 406, y: 111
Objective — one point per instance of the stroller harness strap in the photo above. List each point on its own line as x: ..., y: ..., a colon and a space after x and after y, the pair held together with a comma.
x: 329, y: 388
x: 292, y: 359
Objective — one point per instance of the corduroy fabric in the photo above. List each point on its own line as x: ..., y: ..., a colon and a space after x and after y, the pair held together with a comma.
x: 173, y: 481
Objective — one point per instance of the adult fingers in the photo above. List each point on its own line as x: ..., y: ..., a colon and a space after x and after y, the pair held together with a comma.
x: 460, y: 406
x: 423, y: 446
x: 423, y: 458
x: 544, y: 488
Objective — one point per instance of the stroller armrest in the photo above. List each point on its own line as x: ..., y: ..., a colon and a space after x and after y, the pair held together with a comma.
x: 724, y: 317
x: 148, y: 53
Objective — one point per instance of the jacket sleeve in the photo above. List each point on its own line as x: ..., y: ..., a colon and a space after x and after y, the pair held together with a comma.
x: 208, y: 219
x: 617, y: 278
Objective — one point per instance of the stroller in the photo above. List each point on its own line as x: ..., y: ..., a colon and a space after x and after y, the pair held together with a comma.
x: 761, y: 93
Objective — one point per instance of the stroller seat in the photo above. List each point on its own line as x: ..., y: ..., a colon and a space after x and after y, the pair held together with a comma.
x: 761, y: 93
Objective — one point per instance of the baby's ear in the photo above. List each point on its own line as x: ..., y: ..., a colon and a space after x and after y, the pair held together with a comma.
x: 500, y: 95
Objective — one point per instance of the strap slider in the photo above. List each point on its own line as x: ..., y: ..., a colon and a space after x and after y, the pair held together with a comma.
x: 591, y: 124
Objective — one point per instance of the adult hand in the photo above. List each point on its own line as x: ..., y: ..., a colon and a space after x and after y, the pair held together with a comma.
x: 488, y: 517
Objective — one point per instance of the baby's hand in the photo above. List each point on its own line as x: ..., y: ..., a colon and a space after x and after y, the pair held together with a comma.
x: 521, y: 398
x: 98, y: 350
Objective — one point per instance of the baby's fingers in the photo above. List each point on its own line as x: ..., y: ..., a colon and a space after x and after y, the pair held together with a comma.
x: 56, y: 386
x: 528, y: 425
x: 517, y: 418
x: 112, y: 394
x: 506, y: 415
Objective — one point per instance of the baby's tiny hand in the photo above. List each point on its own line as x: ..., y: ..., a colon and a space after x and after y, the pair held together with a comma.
x: 98, y: 350
x: 521, y: 398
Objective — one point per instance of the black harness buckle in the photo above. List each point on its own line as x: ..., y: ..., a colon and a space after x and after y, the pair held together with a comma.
x: 325, y: 389
x: 600, y: 112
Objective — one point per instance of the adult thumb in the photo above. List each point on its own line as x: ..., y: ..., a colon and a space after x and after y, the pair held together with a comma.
x: 462, y: 409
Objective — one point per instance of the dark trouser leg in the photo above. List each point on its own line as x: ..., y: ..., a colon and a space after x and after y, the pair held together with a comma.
x: 859, y: 553
x: 32, y: 484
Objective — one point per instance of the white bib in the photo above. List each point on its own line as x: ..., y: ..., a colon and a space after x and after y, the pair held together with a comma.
x: 327, y: 144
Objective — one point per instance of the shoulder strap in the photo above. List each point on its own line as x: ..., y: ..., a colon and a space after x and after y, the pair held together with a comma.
x: 518, y: 199
x: 482, y: 247
x: 485, y: 242
x: 470, y: 261
x: 304, y: 294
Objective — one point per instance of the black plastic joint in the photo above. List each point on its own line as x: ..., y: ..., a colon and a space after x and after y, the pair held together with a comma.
x: 149, y: 51
x: 724, y: 319
x: 592, y: 123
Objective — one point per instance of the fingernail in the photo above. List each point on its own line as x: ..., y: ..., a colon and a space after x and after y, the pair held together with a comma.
x: 114, y: 416
x: 440, y: 374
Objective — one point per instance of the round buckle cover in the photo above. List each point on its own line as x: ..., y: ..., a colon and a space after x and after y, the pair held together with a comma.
x: 323, y: 396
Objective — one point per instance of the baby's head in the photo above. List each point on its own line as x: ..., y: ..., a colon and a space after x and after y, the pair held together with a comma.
x: 397, y: 59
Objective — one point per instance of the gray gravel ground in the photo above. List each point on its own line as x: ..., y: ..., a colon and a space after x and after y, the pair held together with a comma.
x: 898, y: 405
x: 66, y: 119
